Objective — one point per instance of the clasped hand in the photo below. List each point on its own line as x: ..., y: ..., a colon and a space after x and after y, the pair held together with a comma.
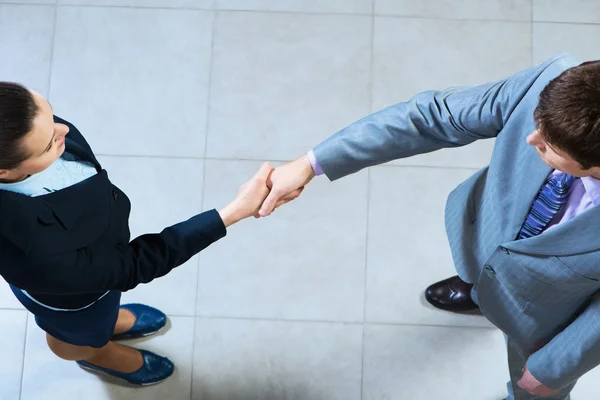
x: 267, y: 190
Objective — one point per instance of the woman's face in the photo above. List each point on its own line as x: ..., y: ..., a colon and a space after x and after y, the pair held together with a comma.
x: 43, y: 145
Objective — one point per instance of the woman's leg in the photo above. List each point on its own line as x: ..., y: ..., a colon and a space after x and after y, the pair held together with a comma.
x: 113, y: 356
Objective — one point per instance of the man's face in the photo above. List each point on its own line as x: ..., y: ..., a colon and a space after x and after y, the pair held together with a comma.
x: 558, y: 159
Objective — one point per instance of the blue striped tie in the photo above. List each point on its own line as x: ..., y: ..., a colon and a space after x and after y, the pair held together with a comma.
x: 547, y: 203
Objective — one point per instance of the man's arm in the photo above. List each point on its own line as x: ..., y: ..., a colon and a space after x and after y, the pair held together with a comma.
x: 429, y: 121
x: 571, y: 353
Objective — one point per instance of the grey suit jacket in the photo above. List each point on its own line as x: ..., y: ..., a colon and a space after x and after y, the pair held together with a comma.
x: 541, y: 291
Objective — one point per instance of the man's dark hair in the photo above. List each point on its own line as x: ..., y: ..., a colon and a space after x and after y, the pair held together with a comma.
x: 568, y: 114
x: 18, y: 110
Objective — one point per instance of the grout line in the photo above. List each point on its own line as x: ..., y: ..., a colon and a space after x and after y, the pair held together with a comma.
x: 284, y: 12
x: 531, y: 34
x: 330, y: 322
x: 52, y: 46
x: 206, y: 126
x: 365, y: 299
x: 340, y: 14
x: 24, y: 351
x: 388, y: 165
x: 567, y: 23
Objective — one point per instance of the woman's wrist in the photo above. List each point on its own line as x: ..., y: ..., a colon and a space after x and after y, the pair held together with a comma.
x: 229, y: 214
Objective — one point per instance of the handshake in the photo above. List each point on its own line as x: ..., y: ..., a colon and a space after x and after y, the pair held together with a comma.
x: 267, y: 190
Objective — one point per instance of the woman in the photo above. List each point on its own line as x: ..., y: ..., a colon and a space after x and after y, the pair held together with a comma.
x: 65, y: 245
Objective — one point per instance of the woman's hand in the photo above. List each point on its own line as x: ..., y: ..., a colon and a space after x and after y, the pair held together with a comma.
x: 249, y: 198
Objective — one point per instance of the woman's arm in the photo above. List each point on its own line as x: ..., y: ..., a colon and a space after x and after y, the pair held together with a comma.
x: 101, y: 266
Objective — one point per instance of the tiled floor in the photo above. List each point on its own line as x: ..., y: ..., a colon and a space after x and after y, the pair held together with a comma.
x: 184, y: 98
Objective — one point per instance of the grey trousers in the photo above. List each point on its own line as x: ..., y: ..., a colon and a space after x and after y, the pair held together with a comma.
x: 516, y: 364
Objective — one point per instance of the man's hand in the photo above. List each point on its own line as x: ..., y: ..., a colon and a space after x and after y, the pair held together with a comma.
x: 286, y: 183
x: 533, y: 386
x: 249, y: 198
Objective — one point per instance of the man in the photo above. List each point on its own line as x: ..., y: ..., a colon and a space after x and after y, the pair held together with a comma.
x: 524, y: 230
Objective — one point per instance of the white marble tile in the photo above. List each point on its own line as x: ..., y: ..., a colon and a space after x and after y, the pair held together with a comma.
x: 424, y: 363
x: 269, y: 360
x: 283, y: 82
x: 118, y: 3
x: 193, y: 4
x: 50, y: 378
x: 163, y: 192
x: 305, y: 261
x: 512, y: 10
x: 137, y: 85
x: 586, y: 11
x: 28, y: 1
x: 551, y: 39
x: 26, y: 48
x: 587, y: 386
x: 7, y: 298
x: 199, y: 4
x: 409, y: 58
x: 407, y: 245
x: 308, y: 6
x: 13, y: 325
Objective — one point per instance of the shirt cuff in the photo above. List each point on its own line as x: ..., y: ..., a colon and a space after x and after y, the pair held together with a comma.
x: 314, y: 163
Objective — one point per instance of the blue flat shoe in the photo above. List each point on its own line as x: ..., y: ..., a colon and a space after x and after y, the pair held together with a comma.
x: 155, y: 370
x: 148, y: 321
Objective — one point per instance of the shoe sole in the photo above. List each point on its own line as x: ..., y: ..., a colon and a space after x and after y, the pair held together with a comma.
x: 473, y: 310
x: 121, y: 379
x: 140, y: 336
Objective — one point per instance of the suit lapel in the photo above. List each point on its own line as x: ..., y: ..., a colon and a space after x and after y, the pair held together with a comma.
x: 576, y: 236
x: 78, y: 151
x: 533, y: 174
x: 579, y: 235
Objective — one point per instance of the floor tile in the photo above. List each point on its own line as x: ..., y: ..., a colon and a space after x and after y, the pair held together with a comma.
x: 192, y: 4
x: 266, y: 360
x: 163, y: 192
x: 7, y: 298
x: 471, y: 59
x: 551, y: 39
x: 26, y: 48
x: 28, y: 1
x: 305, y: 261
x: 513, y: 10
x: 316, y: 6
x: 587, y: 386
x: 199, y: 4
x: 281, y: 82
x: 48, y: 377
x: 424, y: 363
x: 147, y: 72
x: 407, y: 245
x: 469, y: 55
x: 585, y: 11
x: 13, y: 325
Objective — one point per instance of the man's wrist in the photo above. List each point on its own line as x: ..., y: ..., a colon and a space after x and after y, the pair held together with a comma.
x: 315, y: 166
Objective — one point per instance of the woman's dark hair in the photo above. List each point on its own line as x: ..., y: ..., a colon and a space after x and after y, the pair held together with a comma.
x: 18, y: 110
x: 568, y: 114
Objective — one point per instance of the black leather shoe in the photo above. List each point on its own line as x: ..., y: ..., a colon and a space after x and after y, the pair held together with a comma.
x: 452, y: 294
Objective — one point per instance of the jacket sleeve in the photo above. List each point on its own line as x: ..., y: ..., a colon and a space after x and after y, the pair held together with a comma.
x: 571, y: 353
x: 100, y: 266
x: 429, y: 121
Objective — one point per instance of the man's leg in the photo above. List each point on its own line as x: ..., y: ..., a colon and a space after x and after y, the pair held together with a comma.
x: 516, y: 364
